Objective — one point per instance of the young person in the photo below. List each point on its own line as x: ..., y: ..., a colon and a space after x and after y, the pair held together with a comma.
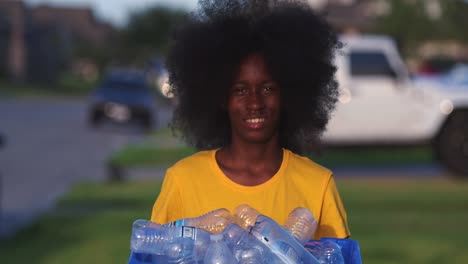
x: 255, y: 87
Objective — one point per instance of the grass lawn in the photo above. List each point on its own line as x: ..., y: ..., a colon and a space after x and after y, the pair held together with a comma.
x: 162, y: 149
x: 66, y: 85
x: 395, y: 222
x: 150, y: 156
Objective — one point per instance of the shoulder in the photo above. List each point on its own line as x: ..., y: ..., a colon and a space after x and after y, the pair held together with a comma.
x: 196, y: 157
x: 197, y: 162
x: 302, y: 165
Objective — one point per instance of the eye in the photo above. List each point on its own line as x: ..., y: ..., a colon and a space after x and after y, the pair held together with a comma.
x: 239, y: 90
x: 269, y: 88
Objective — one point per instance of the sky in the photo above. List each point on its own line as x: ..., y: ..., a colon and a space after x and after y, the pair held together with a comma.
x: 116, y: 11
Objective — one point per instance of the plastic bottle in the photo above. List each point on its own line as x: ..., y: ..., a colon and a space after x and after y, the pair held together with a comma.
x: 150, y: 238
x: 218, y: 252
x: 281, y: 242
x: 327, y: 252
x: 237, y: 237
x: 239, y: 241
x: 301, y: 224
x: 245, y: 215
x: 314, y: 247
x: 330, y: 253
x: 249, y: 256
x: 180, y: 251
x: 213, y: 222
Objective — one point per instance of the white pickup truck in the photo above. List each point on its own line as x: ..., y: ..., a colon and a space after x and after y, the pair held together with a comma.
x: 380, y: 104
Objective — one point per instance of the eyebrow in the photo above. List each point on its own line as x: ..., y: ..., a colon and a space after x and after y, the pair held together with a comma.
x: 245, y: 82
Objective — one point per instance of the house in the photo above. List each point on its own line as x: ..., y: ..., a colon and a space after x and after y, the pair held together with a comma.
x: 353, y: 16
x: 36, y: 43
x: 78, y: 21
x: 13, y: 46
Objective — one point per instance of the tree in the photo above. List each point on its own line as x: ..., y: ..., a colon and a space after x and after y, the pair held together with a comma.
x: 454, y: 20
x: 148, y: 32
x: 407, y: 22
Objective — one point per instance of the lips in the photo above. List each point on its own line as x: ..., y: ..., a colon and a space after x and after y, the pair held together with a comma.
x: 255, y: 123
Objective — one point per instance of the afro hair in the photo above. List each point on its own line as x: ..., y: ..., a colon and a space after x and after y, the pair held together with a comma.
x: 207, y: 48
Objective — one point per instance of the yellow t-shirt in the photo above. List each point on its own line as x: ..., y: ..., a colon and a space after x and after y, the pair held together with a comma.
x: 196, y: 185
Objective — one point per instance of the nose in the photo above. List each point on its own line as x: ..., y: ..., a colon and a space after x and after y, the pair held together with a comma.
x: 255, y: 101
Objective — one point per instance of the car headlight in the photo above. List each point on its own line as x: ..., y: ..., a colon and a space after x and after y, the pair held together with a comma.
x: 446, y: 106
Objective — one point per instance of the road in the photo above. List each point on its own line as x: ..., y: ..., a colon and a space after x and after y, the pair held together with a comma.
x: 48, y: 148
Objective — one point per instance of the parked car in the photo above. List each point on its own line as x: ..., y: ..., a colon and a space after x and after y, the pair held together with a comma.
x: 380, y: 104
x: 123, y: 97
x: 455, y: 78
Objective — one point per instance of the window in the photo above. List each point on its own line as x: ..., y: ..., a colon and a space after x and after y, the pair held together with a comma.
x: 370, y: 64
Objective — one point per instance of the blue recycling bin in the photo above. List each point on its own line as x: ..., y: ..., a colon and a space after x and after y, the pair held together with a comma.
x: 349, y: 248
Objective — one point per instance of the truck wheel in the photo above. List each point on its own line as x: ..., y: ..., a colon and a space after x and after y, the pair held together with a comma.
x: 147, y: 123
x: 452, y: 144
x: 95, y: 119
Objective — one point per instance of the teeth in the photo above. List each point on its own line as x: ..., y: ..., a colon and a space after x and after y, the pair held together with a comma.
x: 255, y: 120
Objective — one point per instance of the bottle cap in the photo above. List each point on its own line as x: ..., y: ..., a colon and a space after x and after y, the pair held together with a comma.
x: 140, y: 223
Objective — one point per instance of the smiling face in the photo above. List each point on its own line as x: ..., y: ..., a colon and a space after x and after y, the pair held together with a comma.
x: 254, y: 103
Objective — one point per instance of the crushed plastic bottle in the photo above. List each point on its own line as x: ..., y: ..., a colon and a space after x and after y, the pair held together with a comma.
x: 245, y: 215
x: 150, y: 238
x: 281, y: 242
x: 327, y: 252
x: 218, y: 252
x: 180, y: 251
x: 301, y: 224
x: 213, y: 222
x: 330, y: 253
x: 249, y: 256
x: 239, y: 241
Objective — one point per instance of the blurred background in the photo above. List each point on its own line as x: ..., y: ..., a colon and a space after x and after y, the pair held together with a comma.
x: 84, y: 138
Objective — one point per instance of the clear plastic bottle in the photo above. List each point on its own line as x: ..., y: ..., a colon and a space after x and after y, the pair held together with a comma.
x: 281, y: 242
x: 245, y: 215
x: 218, y: 252
x: 180, y: 251
x: 327, y: 252
x: 239, y: 241
x: 213, y: 222
x: 150, y: 238
x: 237, y: 237
x: 314, y: 247
x: 301, y: 224
x: 330, y: 253
x: 249, y: 256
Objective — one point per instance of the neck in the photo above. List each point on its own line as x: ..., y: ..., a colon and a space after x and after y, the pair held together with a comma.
x: 245, y: 155
x: 250, y: 164
x: 253, y: 153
